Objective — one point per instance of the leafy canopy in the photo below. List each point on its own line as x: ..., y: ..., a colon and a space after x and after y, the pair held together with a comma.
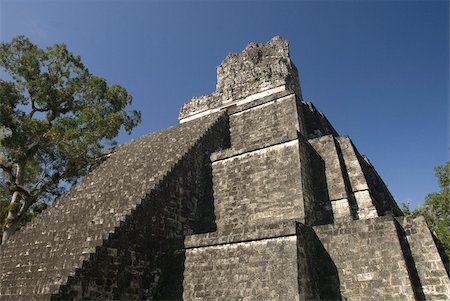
x: 55, y: 118
x: 436, y: 208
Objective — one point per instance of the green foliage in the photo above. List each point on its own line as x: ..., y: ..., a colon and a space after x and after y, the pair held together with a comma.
x: 436, y: 208
x: 406, y: 210
x: 55, y: 119
x: 33, y: 211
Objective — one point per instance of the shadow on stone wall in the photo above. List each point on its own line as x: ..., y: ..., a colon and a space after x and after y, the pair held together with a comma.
x: 170, y: 283
x: 318, y: 274
x: 323, y: 213
x: 442, y: 253
x: 139, y: 256
x: 351, y: 196
x: 409, y: 260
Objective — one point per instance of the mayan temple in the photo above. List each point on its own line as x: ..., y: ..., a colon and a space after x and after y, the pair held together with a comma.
x: 253, y: 196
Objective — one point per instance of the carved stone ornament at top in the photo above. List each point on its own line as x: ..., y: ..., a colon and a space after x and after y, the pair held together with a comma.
x: 258, y: 68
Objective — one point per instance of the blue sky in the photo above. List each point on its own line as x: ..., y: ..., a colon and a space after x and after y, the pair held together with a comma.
x: 379, y: 70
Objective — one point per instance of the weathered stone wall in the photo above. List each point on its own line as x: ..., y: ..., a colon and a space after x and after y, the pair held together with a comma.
x: 367, y: 207
x: 264, y: 124
x: 131, y: 262
x: 353, y: 187
x: 67, y: 235
x: 433, y: 278
x: 236, y: 205
x: 369, y: 258
x: 326, y: 147
x: 323, y: 212
x: 258, y: 187
x: 317, y: 208
x: 256, y: 270
x: 337, y: 185
x: 316, y: 124
x: 258, y: 263
x: 264, y: 178
x: 318, y: 276
x: 266, y: 175
x: 260, y: 67
x: 378, y: 189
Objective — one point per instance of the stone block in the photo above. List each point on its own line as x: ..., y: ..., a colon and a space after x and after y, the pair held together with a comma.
x: 258, y: 126
x: 255, y: 270
x: 369, y: 259
x: 263, y: 186
x: 433, y: 275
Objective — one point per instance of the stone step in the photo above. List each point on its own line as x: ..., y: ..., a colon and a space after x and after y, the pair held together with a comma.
x: 25, y: 297
x: 42, y: 252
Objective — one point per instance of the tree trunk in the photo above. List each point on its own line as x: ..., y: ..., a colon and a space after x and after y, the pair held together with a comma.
x: 10, y: 225
x: 12, y: 220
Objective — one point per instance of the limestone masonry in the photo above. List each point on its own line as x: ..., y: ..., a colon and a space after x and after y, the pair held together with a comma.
x: 254, y: 196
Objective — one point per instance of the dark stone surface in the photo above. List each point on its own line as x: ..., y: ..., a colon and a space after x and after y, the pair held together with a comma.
x: 92, y: 236
x: 316, y: 124
x: 335, y: 176
x: 319, y: 278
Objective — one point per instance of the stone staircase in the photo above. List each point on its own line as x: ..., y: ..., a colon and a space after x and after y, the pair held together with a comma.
x: 43, y: 255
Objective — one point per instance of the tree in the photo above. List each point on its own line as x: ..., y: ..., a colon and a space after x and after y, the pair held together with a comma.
x: 55, y: 119
x: 436, y: 208
x: 34, y: 210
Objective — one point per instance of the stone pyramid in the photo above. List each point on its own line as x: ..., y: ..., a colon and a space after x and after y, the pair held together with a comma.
x: 254, y: 196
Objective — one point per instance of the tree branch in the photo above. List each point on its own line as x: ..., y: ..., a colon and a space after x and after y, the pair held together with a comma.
x: 23, y: 209
x: 31, y: 151
x: 8, y: 168
x: 45, y: 186
x: 21, y: 189
x: 35, y: 109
